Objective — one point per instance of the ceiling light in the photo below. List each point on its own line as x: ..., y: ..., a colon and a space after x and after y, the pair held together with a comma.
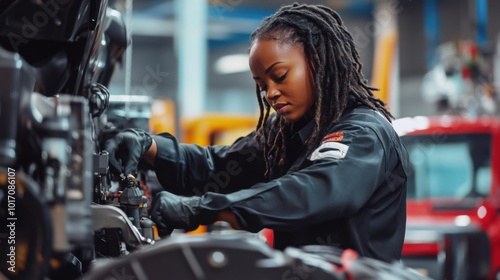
x: 234, y: 63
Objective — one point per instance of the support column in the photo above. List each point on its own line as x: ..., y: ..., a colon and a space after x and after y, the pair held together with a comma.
x: 191, y: 48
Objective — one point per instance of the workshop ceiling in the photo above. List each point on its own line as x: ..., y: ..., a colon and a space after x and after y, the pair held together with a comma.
x: 353, y: 5
x: 229, y: 20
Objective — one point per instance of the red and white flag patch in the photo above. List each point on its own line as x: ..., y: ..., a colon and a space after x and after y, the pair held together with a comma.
x: 333, y: 137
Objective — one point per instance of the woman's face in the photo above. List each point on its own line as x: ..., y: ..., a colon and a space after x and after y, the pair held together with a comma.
x: 282, y: 73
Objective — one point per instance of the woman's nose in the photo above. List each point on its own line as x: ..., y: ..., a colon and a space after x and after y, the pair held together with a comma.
x: 272, y: 94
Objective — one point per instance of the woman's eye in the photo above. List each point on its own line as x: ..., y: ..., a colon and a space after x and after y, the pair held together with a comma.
x: 280, y: 79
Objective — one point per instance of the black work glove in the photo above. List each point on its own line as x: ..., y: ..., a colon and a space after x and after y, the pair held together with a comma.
x: 126, y: 150
x: 170, y: 211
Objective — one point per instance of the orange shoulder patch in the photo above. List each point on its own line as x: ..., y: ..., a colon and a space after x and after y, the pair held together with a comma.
x: 333, y: 137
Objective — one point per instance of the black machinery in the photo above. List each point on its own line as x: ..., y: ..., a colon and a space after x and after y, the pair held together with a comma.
x: 56, y: 60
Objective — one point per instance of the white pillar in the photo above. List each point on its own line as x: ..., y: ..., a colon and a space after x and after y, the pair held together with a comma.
x: 191, y: 47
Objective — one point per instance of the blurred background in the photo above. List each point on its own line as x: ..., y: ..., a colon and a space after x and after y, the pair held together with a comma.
x: 193, y: 54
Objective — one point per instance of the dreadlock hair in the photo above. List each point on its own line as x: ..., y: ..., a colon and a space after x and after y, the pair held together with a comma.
x: 336, y: 65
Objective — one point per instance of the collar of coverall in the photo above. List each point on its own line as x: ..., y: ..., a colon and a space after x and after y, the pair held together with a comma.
x: 307, y: 129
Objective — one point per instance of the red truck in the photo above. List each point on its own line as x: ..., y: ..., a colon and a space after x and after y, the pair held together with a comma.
x: 453, y: 202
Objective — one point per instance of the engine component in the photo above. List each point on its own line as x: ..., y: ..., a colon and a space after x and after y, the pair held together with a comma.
x: 17, y: 78
x: 243, y: 256
x: 131, y: 199
x: 107, y: 217
x: 27, y: 238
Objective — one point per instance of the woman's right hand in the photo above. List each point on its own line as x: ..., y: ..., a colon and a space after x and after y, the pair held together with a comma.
x: 126, y: 150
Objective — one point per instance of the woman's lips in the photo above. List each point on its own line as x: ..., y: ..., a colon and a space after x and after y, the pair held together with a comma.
x: 281, y: 108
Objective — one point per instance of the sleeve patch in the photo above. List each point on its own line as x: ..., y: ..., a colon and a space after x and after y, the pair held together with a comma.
x: 330, y: 150
x: 334, y: 137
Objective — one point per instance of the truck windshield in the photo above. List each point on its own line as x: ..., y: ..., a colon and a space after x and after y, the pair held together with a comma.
x: 452, y: 166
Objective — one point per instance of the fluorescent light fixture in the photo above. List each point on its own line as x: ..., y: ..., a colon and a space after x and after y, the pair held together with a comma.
x: 129, y: 98
x: 233, y: 63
